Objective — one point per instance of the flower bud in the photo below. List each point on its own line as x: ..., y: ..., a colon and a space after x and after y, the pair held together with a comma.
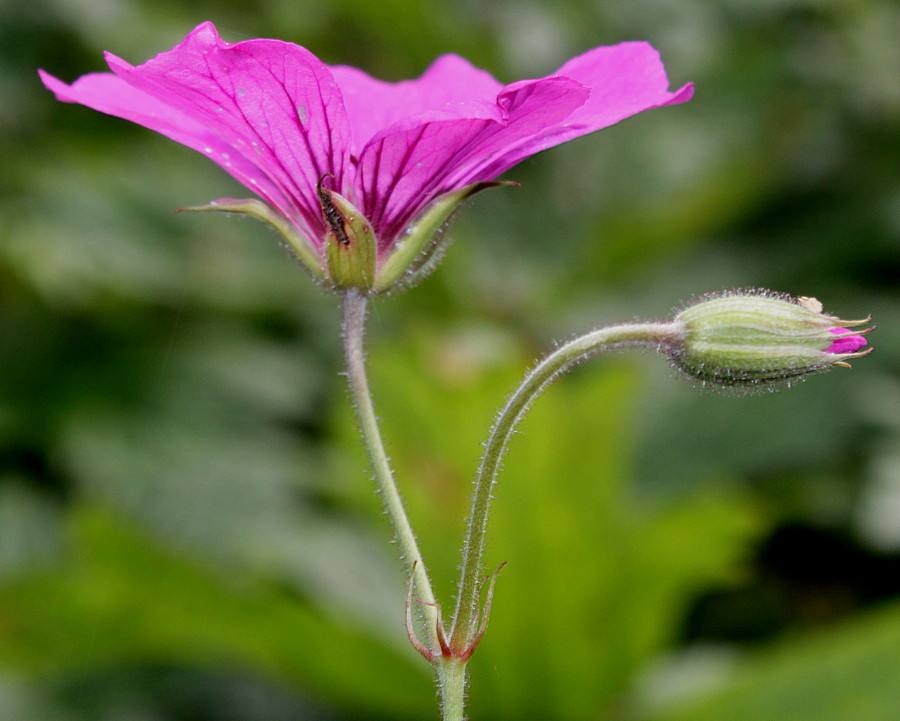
x: 748, y: 338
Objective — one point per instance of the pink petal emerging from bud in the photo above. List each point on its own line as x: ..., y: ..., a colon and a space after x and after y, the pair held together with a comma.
x: 847, y: 344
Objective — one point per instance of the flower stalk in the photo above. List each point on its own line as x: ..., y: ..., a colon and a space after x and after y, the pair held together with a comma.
x: 452, y: 683
x: 748, y: 340
x: 450, y: 668
x: 354, y: 317
x: 467, y: 626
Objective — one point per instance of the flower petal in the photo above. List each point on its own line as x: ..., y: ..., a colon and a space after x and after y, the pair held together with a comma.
x: 624, y: 80
x: 111, y: 95
x: 451, y: 84
x: 408, y: 165
x: 846, y: 343
x: 273, y: 103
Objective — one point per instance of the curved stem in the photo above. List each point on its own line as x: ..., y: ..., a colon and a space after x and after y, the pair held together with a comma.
x: 354, y: 310
x: 655, y: 335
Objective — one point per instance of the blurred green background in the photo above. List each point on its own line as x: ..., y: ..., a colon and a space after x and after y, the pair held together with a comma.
x: 187, y: 527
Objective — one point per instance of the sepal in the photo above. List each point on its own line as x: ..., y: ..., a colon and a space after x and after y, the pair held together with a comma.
x: 351, y: 249
x: 413, y: 255
x: 296, y: 241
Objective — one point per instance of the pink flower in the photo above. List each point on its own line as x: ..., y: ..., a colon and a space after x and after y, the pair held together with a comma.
x: 289, y: 127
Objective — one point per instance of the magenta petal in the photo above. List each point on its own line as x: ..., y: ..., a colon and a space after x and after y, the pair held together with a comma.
x: 271, y: 103
x: 847, y: 344
x: 111, y: 95
x: 274, y: 102
x: 623, y: 79
x: 411, y: 163
x: 451, y: 84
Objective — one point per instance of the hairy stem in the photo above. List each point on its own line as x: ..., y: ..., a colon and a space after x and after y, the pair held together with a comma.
x: 354, y: 309
x: 654, y: 335
x: 452, y: 682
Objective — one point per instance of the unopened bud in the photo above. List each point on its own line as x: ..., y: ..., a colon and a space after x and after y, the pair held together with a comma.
x: 749, y: 338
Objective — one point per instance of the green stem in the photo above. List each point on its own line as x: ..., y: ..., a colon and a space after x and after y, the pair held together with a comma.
x: 655, y: 335
x: 354, y: 309
x: 452, y: 681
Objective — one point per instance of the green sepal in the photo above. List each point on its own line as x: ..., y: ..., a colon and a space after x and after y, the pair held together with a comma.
x: 297, y: 242
x: 411, y: 256
x: 350, y: 246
